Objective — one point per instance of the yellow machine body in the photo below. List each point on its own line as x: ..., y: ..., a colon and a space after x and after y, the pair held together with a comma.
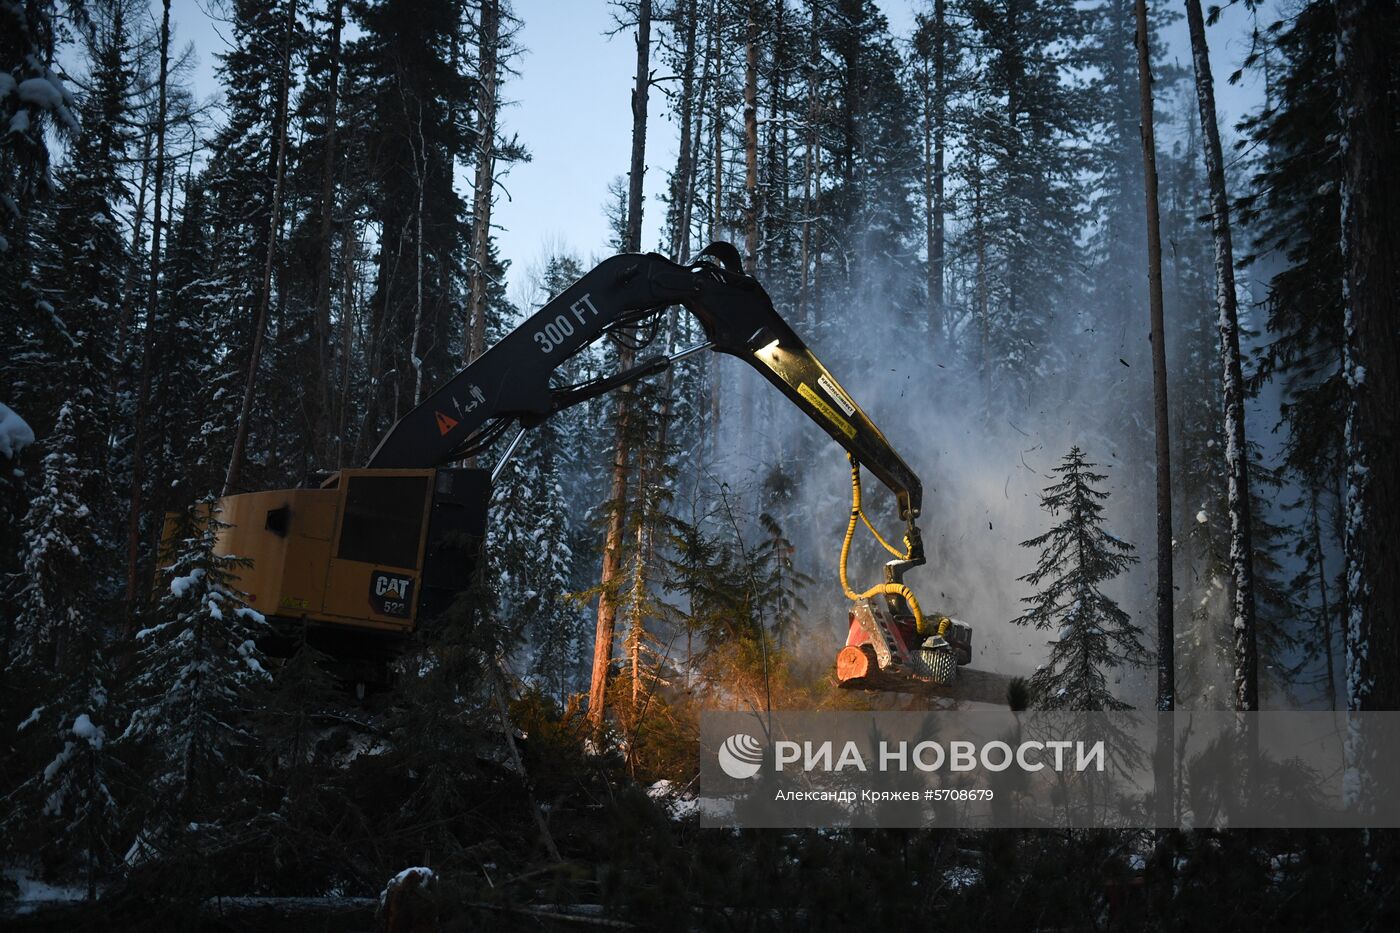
x: 337, y: 555
x: 364, y: 557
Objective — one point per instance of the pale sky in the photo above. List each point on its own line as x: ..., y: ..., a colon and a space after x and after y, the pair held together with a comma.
x: 570, y: 105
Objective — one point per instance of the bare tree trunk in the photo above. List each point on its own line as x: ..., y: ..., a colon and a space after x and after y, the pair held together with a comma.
x: 636, y: 172
x: 617, y: 490
x: 716, y: 211
x: 745, y: 384
x: 347, y: 310
x: 143, y: 391
x: 128, y: 310
x: 420, y: 171
x: 933, y: 82
x: 250, y: 385
x: 324, y: 379
x: 1325, y: 607
x: 1166, y: 626
x: 940, y: 145
x: 983, y: 298
x: 773, y: 203
x: 1371, y: 362
x: 682, y: 183
x: 751, y: 137
x: 809, y: 160
x: 488, y: 68
x: 1236, y: 451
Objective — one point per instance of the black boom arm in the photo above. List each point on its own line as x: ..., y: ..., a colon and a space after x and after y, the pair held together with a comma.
x: 510, y: 382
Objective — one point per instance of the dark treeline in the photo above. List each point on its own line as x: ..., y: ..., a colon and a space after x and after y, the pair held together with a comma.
x: 197, y: 301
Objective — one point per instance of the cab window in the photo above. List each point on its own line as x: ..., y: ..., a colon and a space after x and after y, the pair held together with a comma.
x: 383, y: 520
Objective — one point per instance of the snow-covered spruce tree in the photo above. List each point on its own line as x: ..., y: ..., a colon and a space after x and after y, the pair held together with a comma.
x: 1077, y: 556
x: 197, y: 666
x: 530, y: 552
x: 55, y: 595
x: 535, y: 534
x: 70, y: 814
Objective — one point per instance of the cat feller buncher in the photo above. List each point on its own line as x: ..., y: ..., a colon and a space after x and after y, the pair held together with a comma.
x: 371, y: 553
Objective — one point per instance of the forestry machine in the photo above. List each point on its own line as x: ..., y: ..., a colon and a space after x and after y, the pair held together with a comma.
x: 359, y: 560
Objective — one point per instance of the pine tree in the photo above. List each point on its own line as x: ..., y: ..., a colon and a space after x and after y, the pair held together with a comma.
x: 93, y: 264
x: 197, y: 666
x: 1077, y: 557
x: 874, y: 160
x: 1029, y: 197
x: 409, y: 120
x: 938, y: 75
x: 1293, y: 212
x: 34, y: 100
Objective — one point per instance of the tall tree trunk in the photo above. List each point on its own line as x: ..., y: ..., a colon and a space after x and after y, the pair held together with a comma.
x: 1370, y: 238
x: 809, y: 162
x: 323, y: 388
x: 347, y: 311
x: 933, y: 84
x: 1236, y: 450
x: 617, y: 489
x: 143, y: 391
x: 129, y: 280
x: 1324, y: 603
x: 420, y: 173
x: 751, y: 137
x: 773, y: 203
x: 716, y: 210
x: 682, y: 183
x: 636, y: 172
x: 1166, y: 626
x: 940, y: 146
x: 488, y: 75
x: 745, y: 384
x: 250, y: 385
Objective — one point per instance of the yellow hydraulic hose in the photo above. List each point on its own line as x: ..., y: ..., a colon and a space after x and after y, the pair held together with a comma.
x: 882, y: 589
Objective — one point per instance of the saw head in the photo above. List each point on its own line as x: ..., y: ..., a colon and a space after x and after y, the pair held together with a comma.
x: 885, y: 652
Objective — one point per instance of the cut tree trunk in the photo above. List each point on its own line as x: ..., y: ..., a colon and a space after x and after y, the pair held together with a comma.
x: 857, y: 669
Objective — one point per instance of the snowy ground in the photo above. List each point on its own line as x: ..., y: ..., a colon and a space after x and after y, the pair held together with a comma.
x: 35, y: 894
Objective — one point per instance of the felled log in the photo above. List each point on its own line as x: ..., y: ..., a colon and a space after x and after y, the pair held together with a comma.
x: 858, y: 669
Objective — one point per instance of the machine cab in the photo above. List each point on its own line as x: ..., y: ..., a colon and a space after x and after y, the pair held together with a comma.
x: 370, y: 552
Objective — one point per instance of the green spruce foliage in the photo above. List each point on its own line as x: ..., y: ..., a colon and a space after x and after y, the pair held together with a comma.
x: 1093, y: 634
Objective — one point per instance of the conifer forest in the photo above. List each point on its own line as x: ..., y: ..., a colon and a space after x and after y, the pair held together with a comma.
x: 1116, y: 279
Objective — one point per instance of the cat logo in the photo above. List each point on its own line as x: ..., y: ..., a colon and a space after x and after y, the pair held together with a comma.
x: 391, y: 594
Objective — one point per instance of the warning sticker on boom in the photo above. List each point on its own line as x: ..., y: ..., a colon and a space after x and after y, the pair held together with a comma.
x: 837, y: 396
x: 808, y: 393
